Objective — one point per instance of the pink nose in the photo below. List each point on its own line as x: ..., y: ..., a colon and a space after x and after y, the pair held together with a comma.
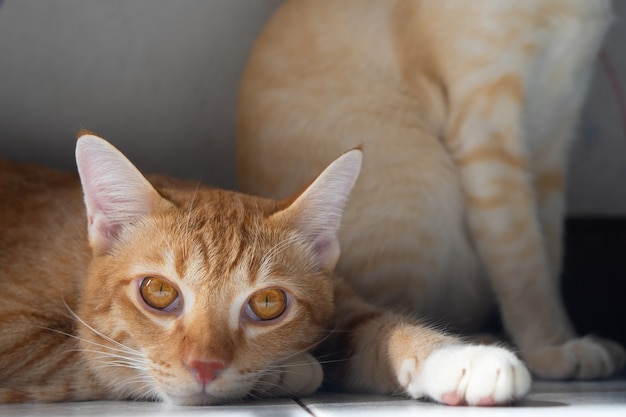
x: 206, y: 372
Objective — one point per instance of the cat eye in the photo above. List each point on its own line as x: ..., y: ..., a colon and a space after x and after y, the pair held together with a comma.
x: 268, y: 304
x: 158, y: 293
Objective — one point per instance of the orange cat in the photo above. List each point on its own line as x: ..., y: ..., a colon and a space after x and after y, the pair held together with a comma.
x: 173, y: 291
x: 465, y: 110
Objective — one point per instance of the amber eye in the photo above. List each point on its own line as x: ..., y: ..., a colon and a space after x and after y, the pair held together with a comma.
x: 158, y: 293
x: 268, y: 304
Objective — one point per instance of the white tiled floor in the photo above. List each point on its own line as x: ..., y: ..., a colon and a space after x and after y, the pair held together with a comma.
x: 571, y: 399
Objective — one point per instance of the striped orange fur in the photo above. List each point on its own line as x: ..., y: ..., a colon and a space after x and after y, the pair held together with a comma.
x: 166, y: 290
x: 465, y: 111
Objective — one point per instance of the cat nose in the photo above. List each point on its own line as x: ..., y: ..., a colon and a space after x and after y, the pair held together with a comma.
x: 206, y: 372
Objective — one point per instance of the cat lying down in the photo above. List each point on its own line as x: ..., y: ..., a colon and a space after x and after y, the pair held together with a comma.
x: 172, y: 291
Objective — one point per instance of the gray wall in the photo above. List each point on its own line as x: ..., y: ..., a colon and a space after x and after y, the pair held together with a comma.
x: 159, y: 79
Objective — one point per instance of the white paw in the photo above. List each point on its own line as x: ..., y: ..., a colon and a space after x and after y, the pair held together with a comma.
x: 467, y: 374
x: 298, y: 375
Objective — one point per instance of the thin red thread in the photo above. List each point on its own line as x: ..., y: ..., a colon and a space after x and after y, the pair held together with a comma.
x: 618, y: 90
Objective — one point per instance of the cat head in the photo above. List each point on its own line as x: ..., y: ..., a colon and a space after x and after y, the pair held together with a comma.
x: 195, y: 295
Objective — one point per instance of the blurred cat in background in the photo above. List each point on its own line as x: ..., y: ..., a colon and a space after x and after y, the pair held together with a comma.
x: 465, y: 110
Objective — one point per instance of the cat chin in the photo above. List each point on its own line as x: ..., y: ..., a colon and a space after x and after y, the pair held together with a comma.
x: 199, y: 398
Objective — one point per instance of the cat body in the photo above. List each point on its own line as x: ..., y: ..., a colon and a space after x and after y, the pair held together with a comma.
x: 466, y: 111
x: 169, y: 290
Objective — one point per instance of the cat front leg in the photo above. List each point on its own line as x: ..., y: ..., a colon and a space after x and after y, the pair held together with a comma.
x: 496, y: 171
x: 373, y: 350
x: 549, y: 184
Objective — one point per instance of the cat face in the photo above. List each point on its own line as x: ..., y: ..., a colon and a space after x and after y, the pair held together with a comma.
x: 194, y: 294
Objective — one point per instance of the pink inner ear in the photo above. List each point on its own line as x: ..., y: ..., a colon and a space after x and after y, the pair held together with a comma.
x: 323, y: 243
x: 317, y: 211
x: 326, y: 248
x: 107, y: 230
x: 116, y: 193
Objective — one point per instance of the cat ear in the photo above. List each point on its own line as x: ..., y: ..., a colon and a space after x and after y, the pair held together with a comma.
x: 115, y: 192
x: 317, y: 211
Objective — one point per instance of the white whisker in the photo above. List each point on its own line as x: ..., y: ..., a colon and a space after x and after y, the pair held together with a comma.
x: 102, y: 335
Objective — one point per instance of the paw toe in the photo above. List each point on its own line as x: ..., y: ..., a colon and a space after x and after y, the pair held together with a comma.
x: 452, y: 398
x: 486, y: 402
x: 475, y: 375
